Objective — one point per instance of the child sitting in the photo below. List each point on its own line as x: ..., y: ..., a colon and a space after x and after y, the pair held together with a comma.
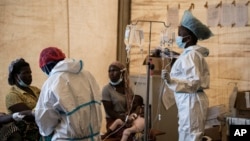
x: 134, y: 123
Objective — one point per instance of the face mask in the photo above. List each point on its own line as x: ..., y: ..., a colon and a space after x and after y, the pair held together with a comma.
x: 46, y: 70
x: 179, y: 42
x: 117, y: 82
x: 21, y: 83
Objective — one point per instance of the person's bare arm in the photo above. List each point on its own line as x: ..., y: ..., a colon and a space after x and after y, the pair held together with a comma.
x: 24, y: 110
x: 19, y: 107
x: 108, y: 106
x: 5, y: 118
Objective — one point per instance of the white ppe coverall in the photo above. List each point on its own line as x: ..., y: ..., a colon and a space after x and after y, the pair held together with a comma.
x: 69, y: 106
x: 189, y: 76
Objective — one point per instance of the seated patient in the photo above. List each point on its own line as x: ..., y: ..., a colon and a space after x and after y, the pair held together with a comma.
x: 135, y: 122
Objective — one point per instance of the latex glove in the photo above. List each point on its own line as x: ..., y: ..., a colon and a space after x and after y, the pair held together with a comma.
x: 133, y: 116
x: 165, y: 76
x: 17, y: 116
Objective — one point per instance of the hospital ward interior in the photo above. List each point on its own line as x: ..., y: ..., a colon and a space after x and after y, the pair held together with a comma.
x: 143, y: 35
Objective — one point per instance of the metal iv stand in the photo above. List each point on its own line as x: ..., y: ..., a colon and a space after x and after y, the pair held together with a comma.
x: 146, y: 130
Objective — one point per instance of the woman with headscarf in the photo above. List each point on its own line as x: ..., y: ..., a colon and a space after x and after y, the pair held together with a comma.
x: 117, y: 95
x: 22, y: 97
x: 69, y: 106
x: 189, y: 77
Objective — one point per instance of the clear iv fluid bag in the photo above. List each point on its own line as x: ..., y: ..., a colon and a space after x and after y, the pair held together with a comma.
x: 133, y: 36
x: 128, y: 35
x: 167, y: 37
x: 139, y: 37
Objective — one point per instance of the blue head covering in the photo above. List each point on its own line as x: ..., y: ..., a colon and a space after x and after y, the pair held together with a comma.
x: 200, y: 30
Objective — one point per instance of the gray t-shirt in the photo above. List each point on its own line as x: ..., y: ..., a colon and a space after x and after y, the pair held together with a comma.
x: 118, y: 99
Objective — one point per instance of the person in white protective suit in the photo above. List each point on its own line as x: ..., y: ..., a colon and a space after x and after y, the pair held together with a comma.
x: 69, y: 106
x: 188, y: 78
